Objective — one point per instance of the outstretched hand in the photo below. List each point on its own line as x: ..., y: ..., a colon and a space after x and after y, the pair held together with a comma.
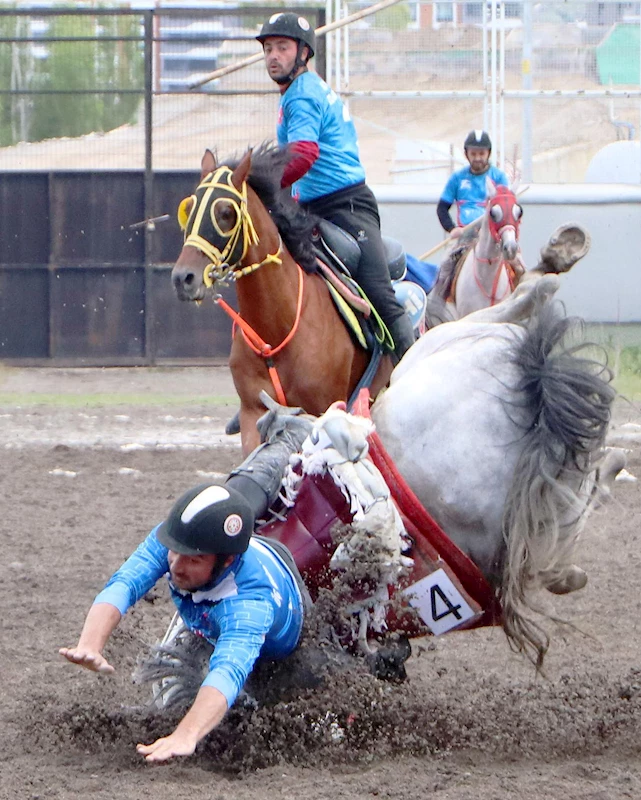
x: 87, y: 658
x: 168, y: 747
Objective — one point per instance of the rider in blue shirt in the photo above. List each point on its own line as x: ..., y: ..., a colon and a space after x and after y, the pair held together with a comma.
x: 325, y: 170
x: 467, y: 187
x: 234, y: 590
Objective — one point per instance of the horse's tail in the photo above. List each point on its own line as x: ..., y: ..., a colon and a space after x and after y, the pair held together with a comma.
x: 570, y: 399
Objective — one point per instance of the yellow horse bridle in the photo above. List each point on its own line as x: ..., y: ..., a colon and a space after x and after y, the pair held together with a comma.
x: 225, y: 249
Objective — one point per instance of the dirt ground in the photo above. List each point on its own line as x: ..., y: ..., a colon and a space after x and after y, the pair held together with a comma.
x: 83, y: 480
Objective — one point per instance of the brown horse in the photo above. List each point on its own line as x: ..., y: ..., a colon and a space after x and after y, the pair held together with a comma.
x: 288, y: 336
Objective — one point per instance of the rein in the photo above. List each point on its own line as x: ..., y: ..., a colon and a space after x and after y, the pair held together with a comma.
x: 201, y: 228
x: 502, y: 264
x: 258, y: 345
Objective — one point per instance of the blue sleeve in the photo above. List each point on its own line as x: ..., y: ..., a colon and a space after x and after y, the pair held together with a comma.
x: 303, y: 118
x: 499, y: 177
x: 140, y: 572
x: 451, y: 189
x: 243, y: 627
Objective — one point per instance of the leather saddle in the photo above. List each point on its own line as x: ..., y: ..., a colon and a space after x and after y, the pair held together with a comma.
x: 335, y: 245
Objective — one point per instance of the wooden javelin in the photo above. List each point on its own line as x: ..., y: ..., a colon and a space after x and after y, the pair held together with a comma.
x: 339, y: 23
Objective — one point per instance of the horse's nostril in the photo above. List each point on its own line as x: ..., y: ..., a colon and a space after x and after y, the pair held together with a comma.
x: 189, y: 278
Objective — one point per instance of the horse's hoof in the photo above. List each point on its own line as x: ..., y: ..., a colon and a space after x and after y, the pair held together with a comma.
x: 233, y: 426
x: 572, y: 580
x: 567, y: 245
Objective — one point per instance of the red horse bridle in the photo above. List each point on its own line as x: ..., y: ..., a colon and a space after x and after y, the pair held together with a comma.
x: 504, y: 211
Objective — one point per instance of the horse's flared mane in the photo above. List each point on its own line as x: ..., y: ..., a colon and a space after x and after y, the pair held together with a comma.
x: 294, y: 224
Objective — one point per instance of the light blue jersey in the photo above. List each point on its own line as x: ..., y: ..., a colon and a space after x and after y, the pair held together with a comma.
x: 469, y: 192
x: 310, y: 111
x: 254, y: 609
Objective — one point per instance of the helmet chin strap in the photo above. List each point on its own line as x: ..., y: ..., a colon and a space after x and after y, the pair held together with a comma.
x: 298, y: 63
x: 217, y: 570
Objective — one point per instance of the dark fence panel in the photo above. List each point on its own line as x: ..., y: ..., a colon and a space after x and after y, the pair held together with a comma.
x: 24, y: 311
x: 24, y: 211
x: 82, y: 287
x: 186, y: 330
x: 98, y: 313
x: 91, y: 214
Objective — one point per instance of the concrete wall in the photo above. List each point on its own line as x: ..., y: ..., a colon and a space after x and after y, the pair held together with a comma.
x: 605, y: 286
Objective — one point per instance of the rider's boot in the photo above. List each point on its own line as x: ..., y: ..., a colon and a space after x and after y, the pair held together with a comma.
x: 233, y: 426
x: 403, y: 335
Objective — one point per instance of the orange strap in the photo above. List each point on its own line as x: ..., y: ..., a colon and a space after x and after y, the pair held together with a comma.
x: 259, y: 345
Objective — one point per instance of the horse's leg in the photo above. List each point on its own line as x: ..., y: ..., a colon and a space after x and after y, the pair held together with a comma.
x: 520, y: 303
x: 614, y: 460
x: 249, y: 434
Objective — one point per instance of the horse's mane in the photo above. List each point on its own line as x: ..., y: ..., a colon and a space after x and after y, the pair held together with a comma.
x: 294, y: 224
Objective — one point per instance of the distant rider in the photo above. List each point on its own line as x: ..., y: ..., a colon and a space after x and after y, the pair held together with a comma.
x: 326, y: 172
x: 467, y: 188
x: 235, y: 591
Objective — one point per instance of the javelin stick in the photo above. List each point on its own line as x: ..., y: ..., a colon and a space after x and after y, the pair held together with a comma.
x: 332, y: 26
x: 475, y: 223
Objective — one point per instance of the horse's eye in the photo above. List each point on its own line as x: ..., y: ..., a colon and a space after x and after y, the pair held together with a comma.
x: 496, y: 212
x: 517, y: 211
x: 223, y: 216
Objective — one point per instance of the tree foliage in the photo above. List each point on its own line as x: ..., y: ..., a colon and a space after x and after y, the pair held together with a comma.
x: 74, y: 67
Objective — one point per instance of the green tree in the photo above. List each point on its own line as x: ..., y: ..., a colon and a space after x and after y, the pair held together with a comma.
x: 74, y: 74
x: 16, y: 73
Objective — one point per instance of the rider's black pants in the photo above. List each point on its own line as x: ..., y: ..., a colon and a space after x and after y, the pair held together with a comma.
x: 355, y: 210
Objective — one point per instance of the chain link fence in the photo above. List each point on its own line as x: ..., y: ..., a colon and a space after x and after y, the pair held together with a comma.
x: 553, y: 82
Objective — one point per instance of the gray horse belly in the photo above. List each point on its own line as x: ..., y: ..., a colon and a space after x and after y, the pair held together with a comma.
x: 446, y: 424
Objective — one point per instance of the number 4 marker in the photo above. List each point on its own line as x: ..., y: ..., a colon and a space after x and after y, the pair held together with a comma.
x: 439, y: 603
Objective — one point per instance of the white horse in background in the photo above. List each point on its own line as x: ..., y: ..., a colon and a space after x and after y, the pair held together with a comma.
x: 492, y: 266
x: 500, y: 431
x: 485, y: 265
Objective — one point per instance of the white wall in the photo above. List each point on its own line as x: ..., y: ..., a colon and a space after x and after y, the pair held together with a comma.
x: 605, y: 286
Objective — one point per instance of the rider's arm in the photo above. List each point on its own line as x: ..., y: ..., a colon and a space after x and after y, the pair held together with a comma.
x: 448, y: 197
x: 207, y: 711
x: 127, y: 585
x: 140, y: 572
x: 443, y: 212
x: 101, y: 621
x: 243, y: 627
x: 304, y: 155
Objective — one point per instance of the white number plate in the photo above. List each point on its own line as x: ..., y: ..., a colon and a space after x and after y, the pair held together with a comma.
x: 439, y: 603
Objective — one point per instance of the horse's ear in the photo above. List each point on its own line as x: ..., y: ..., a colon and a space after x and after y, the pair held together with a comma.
x: 514, y: 186
x: 490, y: 188
x: 239, y: 175
x: 208, y: 164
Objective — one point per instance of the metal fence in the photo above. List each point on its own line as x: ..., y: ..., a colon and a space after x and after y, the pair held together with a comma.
x: 554, y: 82
x: 99, y: 129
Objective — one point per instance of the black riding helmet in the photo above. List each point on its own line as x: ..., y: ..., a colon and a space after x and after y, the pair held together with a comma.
x: 290, y: 26
x: 208, y: 520
x: 479, y: 139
